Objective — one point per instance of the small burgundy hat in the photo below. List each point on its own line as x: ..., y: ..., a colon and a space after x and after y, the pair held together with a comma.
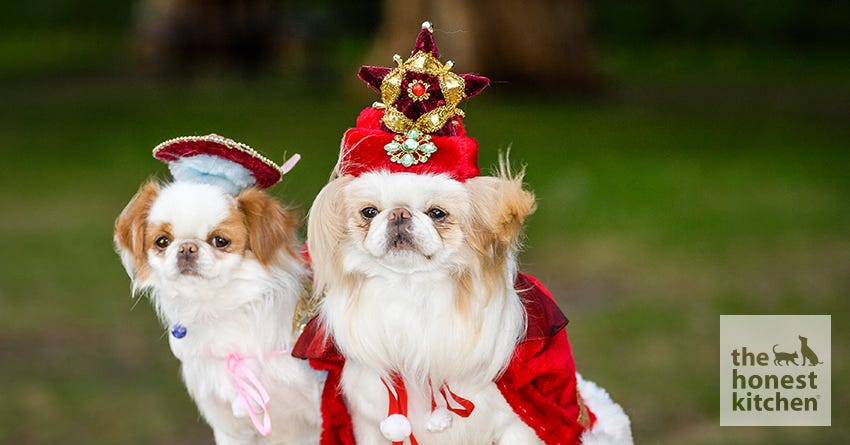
x: 417, y: 128
x: 219, y: 160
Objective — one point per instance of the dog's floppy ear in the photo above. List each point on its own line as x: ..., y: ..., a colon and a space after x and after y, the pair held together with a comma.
x: 130, y: 227
x: 499, y: 208
x: 325, y: 230
x: 270, y: 226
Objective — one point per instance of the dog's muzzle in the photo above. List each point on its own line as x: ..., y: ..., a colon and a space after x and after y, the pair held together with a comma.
x: 187, y: 258
x: 399, y: 234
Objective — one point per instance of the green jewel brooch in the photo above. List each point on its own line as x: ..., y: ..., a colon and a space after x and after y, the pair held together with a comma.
x: 411, y: 148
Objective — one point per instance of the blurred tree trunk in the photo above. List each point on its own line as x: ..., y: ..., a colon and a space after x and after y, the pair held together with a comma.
x: 198, y: 36
x: 537, y: 44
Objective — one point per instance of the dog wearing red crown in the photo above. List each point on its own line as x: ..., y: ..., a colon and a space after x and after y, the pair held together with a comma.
x: 425, y: 323
x: 219, y: 259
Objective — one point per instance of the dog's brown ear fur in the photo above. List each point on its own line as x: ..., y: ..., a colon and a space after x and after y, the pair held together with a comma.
x: 325, y: 230
x: 271, y: 227
x: 499, y: 207
x: 130, y: 227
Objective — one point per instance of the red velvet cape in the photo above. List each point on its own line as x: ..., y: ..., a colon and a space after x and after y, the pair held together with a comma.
x: 539, y: 382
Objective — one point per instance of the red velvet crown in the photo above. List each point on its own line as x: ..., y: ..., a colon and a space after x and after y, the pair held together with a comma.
x: 417, y: 128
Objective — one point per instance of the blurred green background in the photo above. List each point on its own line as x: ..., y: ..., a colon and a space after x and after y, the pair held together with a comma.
x: 710, y: 174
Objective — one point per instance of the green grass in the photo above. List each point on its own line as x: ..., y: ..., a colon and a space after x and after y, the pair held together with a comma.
x: 655, y: 216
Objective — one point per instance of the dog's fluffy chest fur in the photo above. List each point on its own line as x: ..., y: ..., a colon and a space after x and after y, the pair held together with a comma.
x: 251, y: 318
x: 410, y: 325
x: 492, y: 420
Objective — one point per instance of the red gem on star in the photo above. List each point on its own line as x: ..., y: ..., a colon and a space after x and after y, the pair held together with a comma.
x: 418, y: 89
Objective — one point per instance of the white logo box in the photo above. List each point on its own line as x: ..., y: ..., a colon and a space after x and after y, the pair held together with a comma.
x: 770, y: 376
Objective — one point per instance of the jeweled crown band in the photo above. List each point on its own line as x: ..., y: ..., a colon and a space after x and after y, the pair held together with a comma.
x: 367, y: 148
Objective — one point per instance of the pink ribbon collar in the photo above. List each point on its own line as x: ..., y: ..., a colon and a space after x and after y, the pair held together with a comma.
x: 251, y: 391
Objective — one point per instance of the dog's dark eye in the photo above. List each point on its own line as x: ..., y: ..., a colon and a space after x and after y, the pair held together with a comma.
x: 369, y: 212
x: 219, y: 242
x: 436, y: 213
x: 162, y: 242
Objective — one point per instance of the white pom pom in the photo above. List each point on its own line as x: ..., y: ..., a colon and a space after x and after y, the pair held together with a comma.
x: 427, y: 25
x: 439, y: 420
x: 396, y: 428
x: 238, y: 407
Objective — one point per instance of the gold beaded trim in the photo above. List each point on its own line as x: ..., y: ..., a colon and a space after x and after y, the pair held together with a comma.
x: 583, y: 417
x: 227, y: 142
x: 305, y: 309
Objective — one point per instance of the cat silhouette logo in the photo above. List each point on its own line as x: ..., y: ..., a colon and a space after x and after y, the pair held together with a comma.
x: 775, y: 370
x: 786, y: 357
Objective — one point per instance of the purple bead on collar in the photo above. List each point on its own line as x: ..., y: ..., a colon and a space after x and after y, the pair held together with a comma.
x: 178, y: 331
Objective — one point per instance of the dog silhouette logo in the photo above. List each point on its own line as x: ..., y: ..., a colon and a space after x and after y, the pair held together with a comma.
x: 781, y: 358
x: 808, y: 353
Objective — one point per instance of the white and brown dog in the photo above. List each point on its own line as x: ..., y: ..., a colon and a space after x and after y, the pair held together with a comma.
x: 224, y: 274
x: 424, y: 321
x: 417, y: 273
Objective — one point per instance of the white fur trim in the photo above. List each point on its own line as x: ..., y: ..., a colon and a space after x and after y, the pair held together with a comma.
x: 439, y: 420
x: 612, y: 425
x: 396, y: 428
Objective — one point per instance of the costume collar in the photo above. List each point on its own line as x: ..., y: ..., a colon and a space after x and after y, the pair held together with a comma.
x: 544, y: 317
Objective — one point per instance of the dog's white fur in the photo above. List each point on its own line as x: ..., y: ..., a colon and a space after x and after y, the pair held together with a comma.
x: 239, y: 299
x: 437, y: 308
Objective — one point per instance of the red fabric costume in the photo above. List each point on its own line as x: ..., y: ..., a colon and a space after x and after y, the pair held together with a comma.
x: 539, y: 382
